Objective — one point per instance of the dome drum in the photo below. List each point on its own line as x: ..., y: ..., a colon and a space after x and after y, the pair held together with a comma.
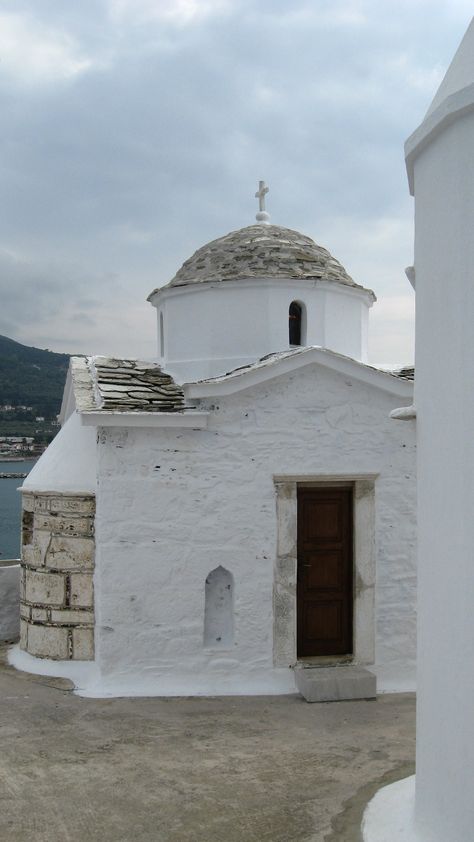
x: 229, y: 304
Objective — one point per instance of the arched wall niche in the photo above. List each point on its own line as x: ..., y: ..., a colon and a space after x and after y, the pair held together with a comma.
x: 296, y: 324
x: 219, y: 609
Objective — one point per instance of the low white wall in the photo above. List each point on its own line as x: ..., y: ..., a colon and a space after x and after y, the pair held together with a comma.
x: 9, y: 600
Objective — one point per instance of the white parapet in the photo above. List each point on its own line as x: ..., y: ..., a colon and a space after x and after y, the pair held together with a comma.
x: 390, y: 816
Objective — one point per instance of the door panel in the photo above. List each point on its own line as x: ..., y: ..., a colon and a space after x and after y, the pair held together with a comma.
x: 324, y: 588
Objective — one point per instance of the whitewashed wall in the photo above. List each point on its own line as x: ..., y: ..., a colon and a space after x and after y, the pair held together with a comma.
x: 444, y: 260
x: 174, y: 505
x: 211, y: 328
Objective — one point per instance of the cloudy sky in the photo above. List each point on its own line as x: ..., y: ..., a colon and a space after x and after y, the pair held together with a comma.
x: 134, y: 131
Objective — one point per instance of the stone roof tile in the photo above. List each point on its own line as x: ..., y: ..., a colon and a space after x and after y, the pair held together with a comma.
x: 122, y: 385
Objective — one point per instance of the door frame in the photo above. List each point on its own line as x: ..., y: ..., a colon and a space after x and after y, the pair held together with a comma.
x: 285, y: 567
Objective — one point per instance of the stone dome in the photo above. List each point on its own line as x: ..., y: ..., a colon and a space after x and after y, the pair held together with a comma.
x: 263, y: 251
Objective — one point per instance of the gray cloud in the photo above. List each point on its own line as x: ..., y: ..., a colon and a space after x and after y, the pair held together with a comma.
x: 134, y: 132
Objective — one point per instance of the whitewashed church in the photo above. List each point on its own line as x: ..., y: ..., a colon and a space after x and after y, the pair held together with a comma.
x: 237, y: 517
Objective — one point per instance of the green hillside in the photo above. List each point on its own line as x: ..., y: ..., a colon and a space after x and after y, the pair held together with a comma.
x: 29, y: 377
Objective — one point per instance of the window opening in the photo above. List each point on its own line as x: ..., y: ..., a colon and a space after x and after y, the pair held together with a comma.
x: 294, y: 319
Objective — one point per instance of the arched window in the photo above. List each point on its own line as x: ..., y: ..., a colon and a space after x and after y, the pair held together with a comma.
x: 219, y: 609
x: 162, y: 337
x: 295, y: 323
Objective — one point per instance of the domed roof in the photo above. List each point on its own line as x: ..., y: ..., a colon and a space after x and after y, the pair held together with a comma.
x: 261, y: 251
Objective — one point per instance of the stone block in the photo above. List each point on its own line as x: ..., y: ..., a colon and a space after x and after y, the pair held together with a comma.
x: 25, y: 612
x: 286, y: 511
x: 285, y: 570
x: 48, y: 642
x: 66, y: 553
x: 67, y: 617
x: 64, y: 524
x: 83, y: 644
x: 23, y: 634
x: 27, y: 502
x: 335, y: 684
x: 76, y: 505
x: 41, y: 503
x: 34, y: 553
x: 65, y: 503
x: 45, y: 588
x: 82, y: 590
x: 28, y: 555
x: 27, y: 527
x: 39, y: 615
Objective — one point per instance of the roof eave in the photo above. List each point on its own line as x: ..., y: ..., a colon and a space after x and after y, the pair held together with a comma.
x: 171, y: 288
x: 189, y: 419
x: 259, y: 373
x: 454, y: 106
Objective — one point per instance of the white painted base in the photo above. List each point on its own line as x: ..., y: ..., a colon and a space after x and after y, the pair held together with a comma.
x: 390, y: 816
x: 391, y: 678
x: 82, y: 673
x: 89, y: 682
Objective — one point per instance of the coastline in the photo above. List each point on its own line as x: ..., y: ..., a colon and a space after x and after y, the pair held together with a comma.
x: 13, y: 475
x: 20, y: 458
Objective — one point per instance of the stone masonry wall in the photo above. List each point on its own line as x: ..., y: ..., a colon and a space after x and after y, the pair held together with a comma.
x: 56, y: 591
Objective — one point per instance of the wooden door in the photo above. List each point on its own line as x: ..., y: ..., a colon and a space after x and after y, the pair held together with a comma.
x: 324, y: 586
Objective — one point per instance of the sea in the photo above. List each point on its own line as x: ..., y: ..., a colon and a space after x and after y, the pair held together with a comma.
x: 10, y: 507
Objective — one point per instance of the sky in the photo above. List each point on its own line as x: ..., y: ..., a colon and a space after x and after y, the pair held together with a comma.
x: 135, y: 131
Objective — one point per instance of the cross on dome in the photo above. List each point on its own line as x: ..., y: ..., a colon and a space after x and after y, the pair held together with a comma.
x: 262, y: 215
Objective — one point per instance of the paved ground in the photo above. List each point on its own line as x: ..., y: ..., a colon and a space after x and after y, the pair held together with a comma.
x: 265, y: 769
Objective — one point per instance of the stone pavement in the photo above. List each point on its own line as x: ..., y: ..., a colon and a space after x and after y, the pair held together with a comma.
x: 261, y: 769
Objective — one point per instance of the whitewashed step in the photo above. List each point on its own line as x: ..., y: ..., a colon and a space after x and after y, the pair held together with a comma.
x: 335, y: 684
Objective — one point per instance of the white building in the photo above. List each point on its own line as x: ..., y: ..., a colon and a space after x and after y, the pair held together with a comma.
x: 250, y: 511
x: 440, y: 164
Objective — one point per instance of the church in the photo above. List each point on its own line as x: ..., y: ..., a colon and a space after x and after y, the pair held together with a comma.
x: 238, y: 515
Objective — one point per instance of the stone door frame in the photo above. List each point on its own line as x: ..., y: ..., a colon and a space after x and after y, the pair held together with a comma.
x: 284, y: 578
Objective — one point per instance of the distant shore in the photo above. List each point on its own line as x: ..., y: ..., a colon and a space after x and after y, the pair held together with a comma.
x: 19, y: 458
x: 15, y: 475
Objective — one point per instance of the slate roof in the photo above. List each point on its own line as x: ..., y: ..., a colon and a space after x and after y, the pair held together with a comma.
x: 269, y: 360
x: 407, y: 373
x: 261, y: 251
x: 110, y: 384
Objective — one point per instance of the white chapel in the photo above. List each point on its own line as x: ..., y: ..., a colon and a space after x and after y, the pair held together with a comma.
x: 238, y: 515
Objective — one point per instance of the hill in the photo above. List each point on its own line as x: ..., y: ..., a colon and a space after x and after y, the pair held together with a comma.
x: 31, y: 377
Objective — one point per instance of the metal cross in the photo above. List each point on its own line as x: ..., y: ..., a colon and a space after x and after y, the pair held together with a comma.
x: 260, y: 195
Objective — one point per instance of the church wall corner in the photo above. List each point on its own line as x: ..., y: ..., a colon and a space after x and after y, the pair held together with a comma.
x: 57, y: 567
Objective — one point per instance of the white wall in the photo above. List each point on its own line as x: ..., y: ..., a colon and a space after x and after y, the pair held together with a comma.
x: 174, y: 505
x: 211, y: 328
x: 444, y: 261
x: 69, y: 463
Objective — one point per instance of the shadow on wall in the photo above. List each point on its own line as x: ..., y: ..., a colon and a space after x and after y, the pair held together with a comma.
x: 219, y: 609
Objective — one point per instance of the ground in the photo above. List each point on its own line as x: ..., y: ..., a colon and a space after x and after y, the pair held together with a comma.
x: 235, y: 769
